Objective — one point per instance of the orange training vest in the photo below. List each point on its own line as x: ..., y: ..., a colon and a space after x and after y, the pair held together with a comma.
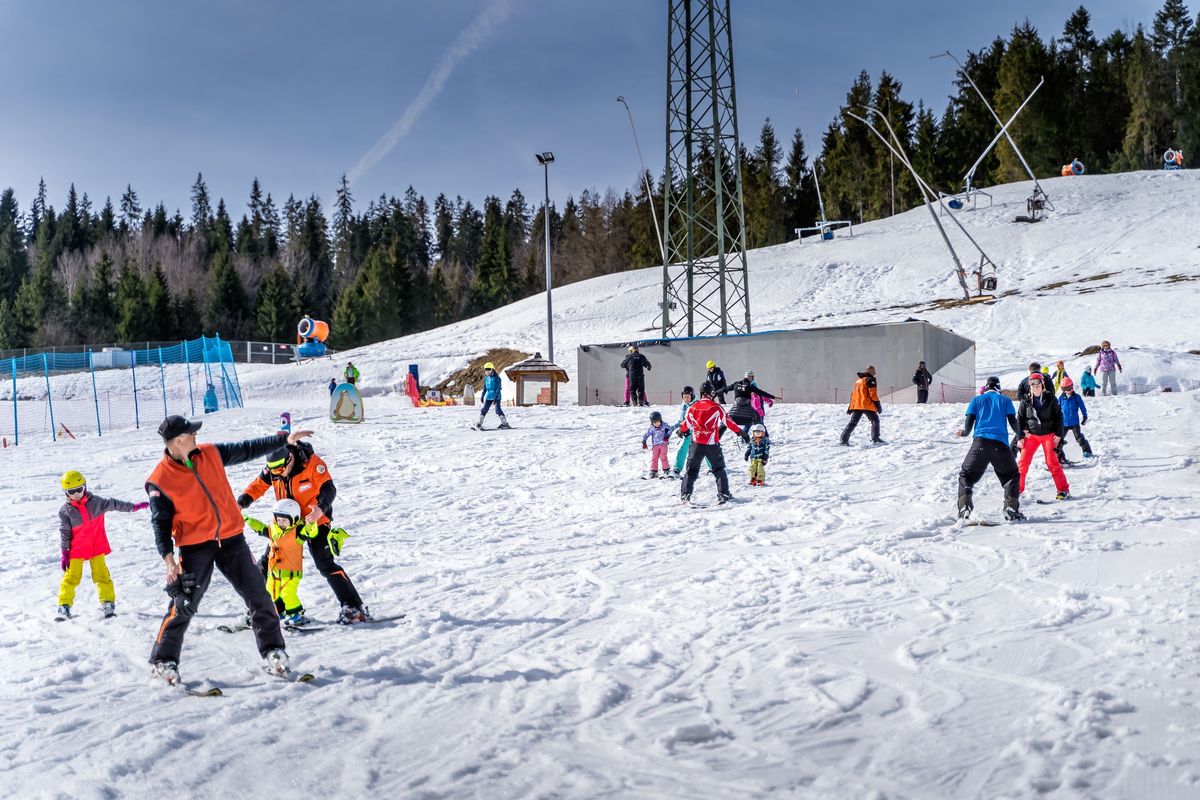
x: 205, y: 508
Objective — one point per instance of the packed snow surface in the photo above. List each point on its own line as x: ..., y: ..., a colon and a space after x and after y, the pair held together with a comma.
x: 574, y: 631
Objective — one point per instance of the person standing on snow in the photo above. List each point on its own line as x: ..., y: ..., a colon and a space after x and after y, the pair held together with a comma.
x: 332, y: 386
x: 864, y: 400
x: 687, y: 398
x: 1088, y: 383
x: 285, y: 557
x: 745, y: 392
x: 758, y: 452
x: 297, y: 473
x: 922, y: 378
x: 760, y: 402
x: 1075, y: 416
x: 634, y: 364
x: 1107, y: 366
x: 987, y: 415
x: 704, y: 421
x: 1023, y: 394
x: 659, y: 435
x: 1040, y: 419
x: 351, y: 373
x: 192, y: 508
x: 81, y: 537
x: 1059, y: 374
x: 716, y: 379
x: 491, y: 396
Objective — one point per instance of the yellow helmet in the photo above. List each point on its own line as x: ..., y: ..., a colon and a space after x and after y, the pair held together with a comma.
x: 710, y: 364
x: 489, y: 365
x: 72, y: 479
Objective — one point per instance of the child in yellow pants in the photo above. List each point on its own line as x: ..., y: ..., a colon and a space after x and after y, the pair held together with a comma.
x: 285, y: 559
x: 82, y: 538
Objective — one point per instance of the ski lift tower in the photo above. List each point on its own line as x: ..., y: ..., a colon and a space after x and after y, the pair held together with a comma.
x: 705, y: 289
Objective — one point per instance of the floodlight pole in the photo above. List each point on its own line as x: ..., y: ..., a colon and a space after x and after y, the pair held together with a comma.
x: 546, y: 159
x: 646, y: 179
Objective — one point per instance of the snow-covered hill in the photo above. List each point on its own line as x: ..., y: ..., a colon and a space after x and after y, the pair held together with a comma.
x: 576, y: 632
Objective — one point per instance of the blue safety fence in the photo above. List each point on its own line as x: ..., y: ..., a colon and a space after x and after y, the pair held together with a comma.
x: 94, y: 393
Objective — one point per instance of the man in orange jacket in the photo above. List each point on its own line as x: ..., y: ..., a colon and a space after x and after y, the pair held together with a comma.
x: 192, y: 508
x: 298, y: 473
x: 864, y: 400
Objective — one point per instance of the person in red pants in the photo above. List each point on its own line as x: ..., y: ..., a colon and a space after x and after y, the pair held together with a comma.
x: 1040, y: 421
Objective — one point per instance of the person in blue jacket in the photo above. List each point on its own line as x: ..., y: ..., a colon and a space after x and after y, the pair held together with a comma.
x: 1074, y: 417
x: 987, y: 414
x: 491, y: 396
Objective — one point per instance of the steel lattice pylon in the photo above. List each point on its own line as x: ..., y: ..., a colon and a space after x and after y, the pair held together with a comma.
x: 705, y: 288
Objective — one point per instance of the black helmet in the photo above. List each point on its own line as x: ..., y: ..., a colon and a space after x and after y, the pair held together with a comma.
x: 993, y: 382
x: 655, y: 417
x: 688, y: 390
x: 706, y: 389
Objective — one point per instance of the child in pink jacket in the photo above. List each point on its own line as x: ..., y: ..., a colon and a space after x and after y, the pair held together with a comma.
x: 658, y: 434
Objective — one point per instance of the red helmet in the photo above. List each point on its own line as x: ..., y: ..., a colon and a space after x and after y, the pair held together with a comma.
x: 1036, y: 376
x: 1067, y: 383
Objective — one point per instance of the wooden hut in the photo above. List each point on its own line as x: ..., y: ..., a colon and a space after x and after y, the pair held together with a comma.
x: 537, y: 381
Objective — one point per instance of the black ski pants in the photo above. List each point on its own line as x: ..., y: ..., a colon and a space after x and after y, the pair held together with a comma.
x: 716, y: 458
x: 637, y: 389
x: 334, y: 573
x: 985, y: 453
x: 855, y: 416
x: 233, y: 558
x: 922, y: 395
x: 1080, y: 440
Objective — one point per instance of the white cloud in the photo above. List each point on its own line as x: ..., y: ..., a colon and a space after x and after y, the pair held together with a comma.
x: 468, y: 40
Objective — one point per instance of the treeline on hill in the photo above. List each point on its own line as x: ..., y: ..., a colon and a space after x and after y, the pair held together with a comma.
x: 125, y: 273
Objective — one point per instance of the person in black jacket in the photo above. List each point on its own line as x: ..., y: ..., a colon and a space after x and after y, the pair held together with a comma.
x: 716, y: 379
x: 922, y: 378
x: 1023, y: 392
x: 634, y: 364
x: 1040, y: 420
x: 743, y: 411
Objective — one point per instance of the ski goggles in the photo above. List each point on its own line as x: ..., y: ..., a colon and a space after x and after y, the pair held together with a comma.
x: 77, y: 491
x: 277, y: 467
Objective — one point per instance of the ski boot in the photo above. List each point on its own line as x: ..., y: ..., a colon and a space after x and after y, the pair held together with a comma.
x: 1089, y: 455
x: 1013, y: 514
x: 1063, y: 496
x: 167, y: 671
x: 352, y: 614
x: 685, y: 498
x: 478, y: 426
x: 295, y: 619
x: 504, y: 425
x: 276, y: 662
x: 722, y: 499
x: 653, y: 473
x: 965, y: 507
x: 63, y: 613
x: 108, y: 608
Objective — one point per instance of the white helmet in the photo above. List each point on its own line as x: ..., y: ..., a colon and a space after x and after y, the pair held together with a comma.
x: 287, y: 507
x: 758, y: 427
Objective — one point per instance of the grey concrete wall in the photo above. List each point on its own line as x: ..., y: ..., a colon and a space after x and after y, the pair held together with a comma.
x: 803, y: 366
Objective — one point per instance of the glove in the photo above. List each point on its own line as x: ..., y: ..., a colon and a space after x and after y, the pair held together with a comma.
x: 645, y: 446
x: 182, y: 586
x: 745, y: 437
x: 65, y: 561
x: 747, y: 458
x: 140, y: 506
x: 244, y: 501
x: 1083, y: 422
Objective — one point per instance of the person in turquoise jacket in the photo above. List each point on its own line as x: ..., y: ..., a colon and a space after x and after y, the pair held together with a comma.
x: 491, y: 396
x: 1074, y: 417
x: 1088, y: 383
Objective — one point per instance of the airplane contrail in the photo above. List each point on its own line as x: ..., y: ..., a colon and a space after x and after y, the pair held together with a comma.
x: 471, y: 37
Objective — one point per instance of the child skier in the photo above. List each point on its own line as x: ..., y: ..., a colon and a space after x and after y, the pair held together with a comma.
x: 82, y: 538
x: 757, y: 453
x: 1059, y: 374
x: 659, y: 435
x: 687, y: 397
x: 285, y: 561
x: 491, y: 396
x: 1074, y: 417
x: 1040, y: 420
x: 1088, y: 383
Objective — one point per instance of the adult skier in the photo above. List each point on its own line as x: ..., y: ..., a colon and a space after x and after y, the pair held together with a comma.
x: 987, y: 415
x: 864, y: 400
x: 743, y: 411
x: 716, y: 379
x: 1107, y: 366
x: 704, y: 421
x: 1040, y: 420
x: 634, y: 365
x: 1075, y: 416
x: 922, y: 378
x: 192, y: 508
x: 296, y: 472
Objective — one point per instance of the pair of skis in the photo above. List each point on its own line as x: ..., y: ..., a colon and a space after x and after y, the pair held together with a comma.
x: 314, y: 625
x: 216, y: 691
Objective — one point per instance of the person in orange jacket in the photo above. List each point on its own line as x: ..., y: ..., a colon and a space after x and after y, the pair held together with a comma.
x: 864, y: 400
x: 297, y: 472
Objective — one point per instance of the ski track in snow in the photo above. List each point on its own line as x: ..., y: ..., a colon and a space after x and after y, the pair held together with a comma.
x: 573, y: 631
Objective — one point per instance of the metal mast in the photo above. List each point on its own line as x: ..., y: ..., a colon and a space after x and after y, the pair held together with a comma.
x: 705, y: 289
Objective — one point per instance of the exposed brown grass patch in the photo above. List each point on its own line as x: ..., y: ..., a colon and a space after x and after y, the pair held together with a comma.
x: 472, y: 373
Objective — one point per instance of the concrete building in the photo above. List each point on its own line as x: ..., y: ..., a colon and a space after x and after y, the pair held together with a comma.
x: 816, y: 365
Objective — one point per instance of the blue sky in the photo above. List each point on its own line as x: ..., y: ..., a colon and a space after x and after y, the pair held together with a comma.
x: 297, y: 93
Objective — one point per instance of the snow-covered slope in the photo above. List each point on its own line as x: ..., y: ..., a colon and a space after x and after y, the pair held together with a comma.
x: 576, y: 632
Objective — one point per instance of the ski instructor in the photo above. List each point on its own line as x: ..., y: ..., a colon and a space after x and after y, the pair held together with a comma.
x: 192, y: 508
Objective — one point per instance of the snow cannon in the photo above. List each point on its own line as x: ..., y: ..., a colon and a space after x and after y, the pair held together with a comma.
x: 311, y: 334
x: 1074, y: 168
x: 1173, y: 159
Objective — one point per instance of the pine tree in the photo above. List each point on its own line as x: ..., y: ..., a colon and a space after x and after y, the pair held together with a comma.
x: 443, y: 227
x: 227, y: 308
x: 221, y: 235
x: 347, y: 330
x: 37, y: 211
x: 107, y: 223
x: 160, y: 316
x: 131, y: 210
x: 490, y: 287
x: 799, y: 189
x: 1025, y: 61
x: 101, y: 302
x: 276, y: 312
x: 1148, y: 113
x: 763, y: 192
x: 131, y: 306
x: 343, y: 232
x: 11, y: 333
x: 14, y: 261
x: 1172, y: 24
x: 202, y: 214
x: 185, y: 310
x: 41, y: 308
